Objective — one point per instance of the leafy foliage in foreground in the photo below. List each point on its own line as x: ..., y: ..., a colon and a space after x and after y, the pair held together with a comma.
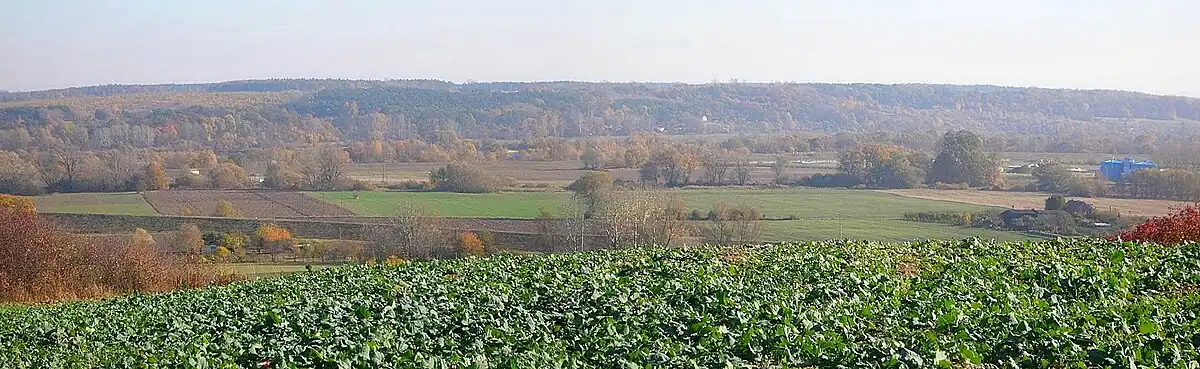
x: 1064, y: 303
x: 1181, y: 226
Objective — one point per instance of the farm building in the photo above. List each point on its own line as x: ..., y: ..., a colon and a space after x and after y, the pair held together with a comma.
x: 1114, y: 169
x: 1079, y: 208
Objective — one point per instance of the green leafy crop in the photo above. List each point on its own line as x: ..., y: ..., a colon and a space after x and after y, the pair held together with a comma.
x: 1052, y: 304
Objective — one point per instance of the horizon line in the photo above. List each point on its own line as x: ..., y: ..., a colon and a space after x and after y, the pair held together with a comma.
x: 470, y: 81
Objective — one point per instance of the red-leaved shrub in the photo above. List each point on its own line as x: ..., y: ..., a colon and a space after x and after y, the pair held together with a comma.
x: 1181, y: 226
x: 40, y: 263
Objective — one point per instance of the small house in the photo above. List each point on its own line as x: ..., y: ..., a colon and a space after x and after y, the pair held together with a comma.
x: 1076, y: 207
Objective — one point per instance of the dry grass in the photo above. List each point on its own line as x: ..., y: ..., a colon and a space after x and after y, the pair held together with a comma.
x: 1035, y: 200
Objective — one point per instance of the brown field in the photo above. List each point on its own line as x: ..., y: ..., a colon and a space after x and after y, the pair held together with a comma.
x: 251, y: 204
x: 1035, y: 200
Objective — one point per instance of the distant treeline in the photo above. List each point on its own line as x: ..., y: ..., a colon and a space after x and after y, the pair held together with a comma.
x: 241, y: 115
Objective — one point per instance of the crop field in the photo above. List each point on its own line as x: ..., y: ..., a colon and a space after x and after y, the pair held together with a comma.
x: 802, y: 202
x: 251, y: 204
x: 1062, y: 303
x: 94, y: 203
x: 819, y: 214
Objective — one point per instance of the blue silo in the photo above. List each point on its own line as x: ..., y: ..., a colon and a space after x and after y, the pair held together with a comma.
x: 1114, y: 169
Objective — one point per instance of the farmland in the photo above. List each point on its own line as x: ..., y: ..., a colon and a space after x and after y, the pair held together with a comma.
x: 95, y: 203
x: 1032, y: 200
x: 800, y: 203
x: 818, y: 214
x: 1069, y: 303
x: 253, y: 204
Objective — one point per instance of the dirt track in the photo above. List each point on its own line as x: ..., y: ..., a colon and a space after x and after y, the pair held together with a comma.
x: 1035, y: 200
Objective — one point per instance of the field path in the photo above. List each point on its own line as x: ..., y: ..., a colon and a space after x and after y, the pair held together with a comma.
x: 1036, y: 200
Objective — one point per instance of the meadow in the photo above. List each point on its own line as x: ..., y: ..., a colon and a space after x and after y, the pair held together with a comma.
x: 125, y: 203
x: 968, y: 304
x: 775, y: 203
x: 801, y: 213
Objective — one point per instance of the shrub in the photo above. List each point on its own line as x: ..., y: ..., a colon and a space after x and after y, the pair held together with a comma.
x: 938, y: 217
x: 189, y: 240
x: 1056, y: 203
x: 464, y: 178
x: 17, y: 203
x: 236, y: 243
x: 224, y: 255
x: 1181, y: 226
x: 830, y: 180
x: 225, y: 209
x: 361, y: 186
x: 470, y: 244
x: 411, y: 185
x: 40, y: 263
x: 341, y: 250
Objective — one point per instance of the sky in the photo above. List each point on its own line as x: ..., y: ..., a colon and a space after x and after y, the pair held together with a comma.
x: 1140, y: 45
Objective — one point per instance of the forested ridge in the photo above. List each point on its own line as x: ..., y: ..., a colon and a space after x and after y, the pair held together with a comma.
x: 240, y: 115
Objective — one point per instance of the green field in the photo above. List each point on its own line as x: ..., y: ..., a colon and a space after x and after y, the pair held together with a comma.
x: 820, y: 214
x: 947, y: 304
x: 126, y: 203
x: 799, y: 203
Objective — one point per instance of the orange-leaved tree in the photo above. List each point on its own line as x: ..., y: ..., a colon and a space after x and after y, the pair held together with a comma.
x: 273, y: 239
x: 469, y: 244
x: 1181, y: 226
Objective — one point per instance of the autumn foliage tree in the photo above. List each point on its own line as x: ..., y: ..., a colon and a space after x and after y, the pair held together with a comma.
x: 274, y: 239
x: 225, y: 209
x: 155, y: 178
x: 469, y: 244
x: 1181, y: 226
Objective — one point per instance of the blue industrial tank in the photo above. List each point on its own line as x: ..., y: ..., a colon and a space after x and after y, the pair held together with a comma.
x: 1114, y: 169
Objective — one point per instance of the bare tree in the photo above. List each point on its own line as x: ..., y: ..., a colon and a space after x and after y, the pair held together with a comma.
x: 326, y: 168
x: 741, y: 172
x: 64, y: 170
x: 409, y: 234
x: 642, y: 218
x: 123, y: 169
x: 733, y: 225
x: 716, y: 166
x: 778, y: 167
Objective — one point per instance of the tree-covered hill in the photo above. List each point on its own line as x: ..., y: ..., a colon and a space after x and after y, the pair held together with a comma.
x: 303, y: 110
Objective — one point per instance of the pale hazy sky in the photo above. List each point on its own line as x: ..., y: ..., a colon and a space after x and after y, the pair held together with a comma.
x: 1142, y: 45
